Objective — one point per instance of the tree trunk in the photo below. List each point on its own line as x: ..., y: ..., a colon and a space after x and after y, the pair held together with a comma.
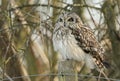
x: 78, y: 9
x: 109, y: 14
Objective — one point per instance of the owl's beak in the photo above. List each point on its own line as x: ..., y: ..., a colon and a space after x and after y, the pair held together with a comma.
x: 64, y: 24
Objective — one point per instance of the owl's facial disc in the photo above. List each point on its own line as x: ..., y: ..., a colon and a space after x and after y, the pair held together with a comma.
x: 67, y: 19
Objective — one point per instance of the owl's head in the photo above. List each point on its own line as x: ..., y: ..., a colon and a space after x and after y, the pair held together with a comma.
x: 67, y: 19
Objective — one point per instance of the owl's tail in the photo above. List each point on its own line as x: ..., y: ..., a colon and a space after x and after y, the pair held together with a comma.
x: 101, y: 64
x: 106, y: 64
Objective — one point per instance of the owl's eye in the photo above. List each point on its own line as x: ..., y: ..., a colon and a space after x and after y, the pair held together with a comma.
x: 60, y: 20
x: 71, y: 19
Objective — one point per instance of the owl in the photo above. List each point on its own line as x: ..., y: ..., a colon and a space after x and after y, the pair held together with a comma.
x: 76, y: 41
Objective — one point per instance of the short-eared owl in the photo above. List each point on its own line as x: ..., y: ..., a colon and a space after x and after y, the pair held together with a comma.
x: 76, y: 41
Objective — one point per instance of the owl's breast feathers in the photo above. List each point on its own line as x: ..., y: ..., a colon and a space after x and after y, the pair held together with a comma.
x: 87, y: 41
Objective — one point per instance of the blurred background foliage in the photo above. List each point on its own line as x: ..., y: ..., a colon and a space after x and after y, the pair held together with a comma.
x: 26, y: 26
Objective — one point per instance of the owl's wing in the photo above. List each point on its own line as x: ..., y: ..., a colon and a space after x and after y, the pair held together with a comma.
x: 87, y: 41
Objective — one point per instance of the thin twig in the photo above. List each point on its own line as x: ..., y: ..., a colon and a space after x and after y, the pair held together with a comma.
x: 90, y: 14
x: 65, y: 74
x: 8, y: 77
x: 46, y: 5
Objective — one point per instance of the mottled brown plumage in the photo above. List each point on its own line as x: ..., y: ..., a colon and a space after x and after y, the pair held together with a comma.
x: 87, y: 41
x: 73, y: 40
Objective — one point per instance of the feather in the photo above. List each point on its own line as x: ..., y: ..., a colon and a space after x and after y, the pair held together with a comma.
x: 89, y: 44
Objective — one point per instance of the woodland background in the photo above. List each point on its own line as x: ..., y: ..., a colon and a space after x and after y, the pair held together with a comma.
x: 26, y: 51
